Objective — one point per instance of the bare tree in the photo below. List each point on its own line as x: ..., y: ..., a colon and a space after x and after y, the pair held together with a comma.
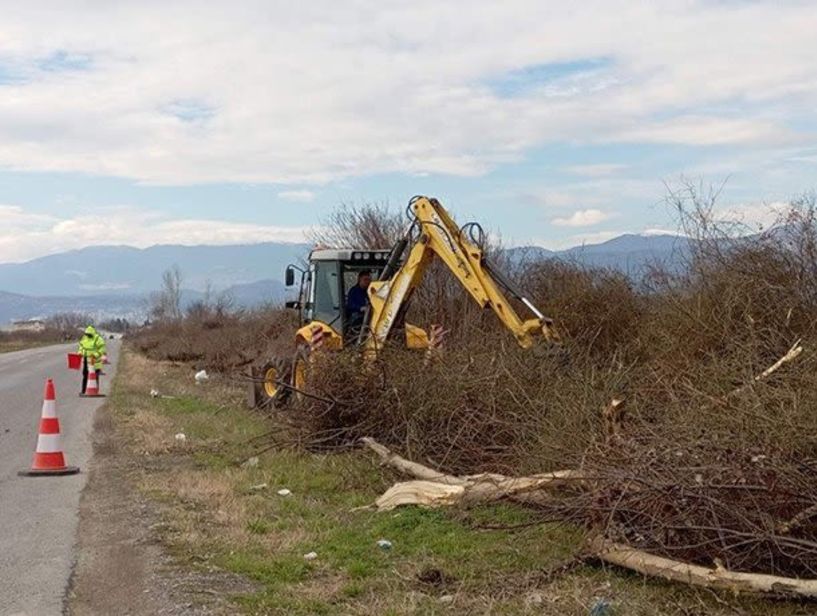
x: 370, y: 225
x: 166, y: 303
x: 68, y: 321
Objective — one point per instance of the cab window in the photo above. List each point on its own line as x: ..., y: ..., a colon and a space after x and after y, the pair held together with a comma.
x: 324, y: 300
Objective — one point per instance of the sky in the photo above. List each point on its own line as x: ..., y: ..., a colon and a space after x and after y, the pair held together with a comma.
x: 551, y: 123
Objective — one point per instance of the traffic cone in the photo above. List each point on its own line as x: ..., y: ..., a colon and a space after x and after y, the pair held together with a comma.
x: 92, y: 387
x: 48, y: 456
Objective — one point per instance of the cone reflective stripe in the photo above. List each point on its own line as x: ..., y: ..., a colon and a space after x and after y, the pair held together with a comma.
x: 92, y: 386
x: 48, y: 456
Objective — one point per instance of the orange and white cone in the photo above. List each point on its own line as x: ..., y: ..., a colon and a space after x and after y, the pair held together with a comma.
x: 92, y: 387
x: 48, y: 456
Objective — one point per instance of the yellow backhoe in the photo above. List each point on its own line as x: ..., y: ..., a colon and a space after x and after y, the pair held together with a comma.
x: 327, y: 324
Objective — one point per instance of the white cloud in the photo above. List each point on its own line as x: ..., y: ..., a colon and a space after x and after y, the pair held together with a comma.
x: 558, y: 199
x: 299, y: 196
x: 307, y: 93
x: 754, y: 215
x: 582, y: 218
x: 30, y: 236
x: 707, y: 130
x: 14, y: 218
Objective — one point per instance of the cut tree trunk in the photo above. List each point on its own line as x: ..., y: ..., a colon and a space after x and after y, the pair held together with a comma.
x: 696, y: 575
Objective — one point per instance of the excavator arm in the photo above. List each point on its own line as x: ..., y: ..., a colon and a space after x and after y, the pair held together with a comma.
x: 440, y: 237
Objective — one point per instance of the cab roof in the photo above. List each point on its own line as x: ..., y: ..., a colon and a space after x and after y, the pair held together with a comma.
x: 364, y: 255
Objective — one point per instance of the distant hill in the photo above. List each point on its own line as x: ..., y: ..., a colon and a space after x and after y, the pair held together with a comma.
x: 522, y: 254
x: 123, y: 270
x: 109, y: 281
x: 629, y: 253
x: 256, y: 293
x: 632, y: 254
x: 14, y: 306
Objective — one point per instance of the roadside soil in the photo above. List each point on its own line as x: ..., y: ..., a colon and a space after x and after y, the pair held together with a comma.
x: 123, y: 567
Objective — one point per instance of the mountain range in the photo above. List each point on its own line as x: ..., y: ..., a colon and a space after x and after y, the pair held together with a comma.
x: 107, y: 281
x: 120, y: 270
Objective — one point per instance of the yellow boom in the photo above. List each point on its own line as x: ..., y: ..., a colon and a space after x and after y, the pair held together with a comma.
x: 439, y: 236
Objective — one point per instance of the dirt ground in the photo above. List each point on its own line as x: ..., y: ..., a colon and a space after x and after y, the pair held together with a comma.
x: 122, y: 566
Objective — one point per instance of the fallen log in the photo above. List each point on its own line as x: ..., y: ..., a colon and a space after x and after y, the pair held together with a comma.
x: 472, y: 489
x: 407, y: 466
x: 420, y: 492
x: 435, y: 489
x: 718, y: 577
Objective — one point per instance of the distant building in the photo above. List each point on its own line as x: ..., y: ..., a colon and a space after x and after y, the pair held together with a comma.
x: 31, y: 325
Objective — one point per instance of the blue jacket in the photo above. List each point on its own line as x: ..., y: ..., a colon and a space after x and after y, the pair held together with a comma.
x: 356, y: 299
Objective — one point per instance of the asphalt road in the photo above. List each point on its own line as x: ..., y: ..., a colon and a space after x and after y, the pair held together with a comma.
x: 39, y: 515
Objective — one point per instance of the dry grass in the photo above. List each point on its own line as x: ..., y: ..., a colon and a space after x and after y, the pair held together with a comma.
x: 219, y: 342
x: 17, y: 341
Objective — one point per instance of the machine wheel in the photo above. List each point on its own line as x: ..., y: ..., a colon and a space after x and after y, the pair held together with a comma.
x: 300, y: 370
x: 268, y: 388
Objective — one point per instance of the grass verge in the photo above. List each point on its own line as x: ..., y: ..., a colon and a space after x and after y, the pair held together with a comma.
x: 221, y: 513
x: 10, y: 346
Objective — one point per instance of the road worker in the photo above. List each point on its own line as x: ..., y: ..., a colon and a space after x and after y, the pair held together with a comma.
x: 91, y: 348
x: 356, y: 301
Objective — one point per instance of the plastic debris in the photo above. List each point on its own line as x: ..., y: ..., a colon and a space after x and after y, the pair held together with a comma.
x: 602, y: 607
x: 384, y: 544
x: 181, y: 437
x: 251, y: 462
x: 259, y: 487
x: 154, y: 393
x: 284, y: 492
x: 447, y: 599
x: 310, y: 556
x: 201, y: 376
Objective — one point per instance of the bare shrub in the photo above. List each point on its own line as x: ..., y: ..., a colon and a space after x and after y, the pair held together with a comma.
x: 68, y: 321
x: 370, y: 225
x: 220, y: 342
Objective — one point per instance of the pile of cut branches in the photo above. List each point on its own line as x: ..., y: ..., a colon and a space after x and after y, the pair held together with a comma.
x: 713, y: 542
x: 698, y: 510
x: 704, y: 504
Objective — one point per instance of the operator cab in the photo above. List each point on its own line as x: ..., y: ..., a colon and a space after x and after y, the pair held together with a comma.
x: 325, y: 284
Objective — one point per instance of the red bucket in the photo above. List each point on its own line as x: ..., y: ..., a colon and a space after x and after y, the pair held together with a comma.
x: 74, y: 361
